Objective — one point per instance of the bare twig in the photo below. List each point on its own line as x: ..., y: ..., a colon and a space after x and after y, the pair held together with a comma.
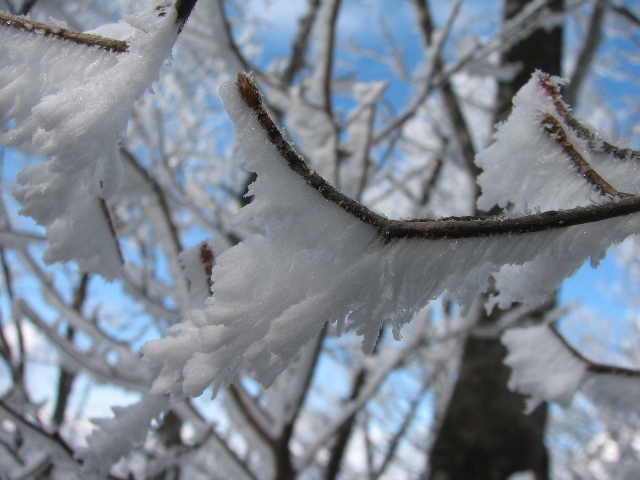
x: 517, y: 28
x: 66, y: 378
x: 371, y: 386
x: 591, y: 43
x: 408, y: 418
x: 253, y: 414
x: 160, y: 195
x: 429, y: 229
x: 300, y: 43
x: 60, y: 447
x: 328, y: 60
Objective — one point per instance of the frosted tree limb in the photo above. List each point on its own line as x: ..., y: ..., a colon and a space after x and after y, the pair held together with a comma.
x: 183, y: 7
x: 595, y: 143
x: 350, y: 409
x: 450, y: 227
x: 557, y: 132
x: 594, y: 366
x: 545, y: 367
x: 39, y: 28
x: 451, y: 101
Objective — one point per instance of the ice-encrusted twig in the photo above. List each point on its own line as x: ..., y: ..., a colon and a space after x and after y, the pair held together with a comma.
x: 595, y: 143
x: 558, y: 134
x: 183, y: 8
x: 450, y: 227
x: 594, y: 366
x: 39, y: 28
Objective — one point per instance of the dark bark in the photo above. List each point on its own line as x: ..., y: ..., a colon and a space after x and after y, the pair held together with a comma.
x: 344, y: 434
x: 485, y: 433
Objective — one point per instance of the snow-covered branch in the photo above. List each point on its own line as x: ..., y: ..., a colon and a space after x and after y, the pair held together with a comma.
x: 547, y: 368
x: 43, y: 29
x: 368, y: 269
x: 453, y: 227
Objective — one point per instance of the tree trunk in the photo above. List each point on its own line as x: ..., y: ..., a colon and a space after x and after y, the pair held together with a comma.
x: 485, y: 433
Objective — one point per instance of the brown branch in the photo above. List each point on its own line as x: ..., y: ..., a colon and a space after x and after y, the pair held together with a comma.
x: 558, y: 134
x: 428, y: 229
x: 38, y: 28
x: 596, y: 144
x: 183, y: 7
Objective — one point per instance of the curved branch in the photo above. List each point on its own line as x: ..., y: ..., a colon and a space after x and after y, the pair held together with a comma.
x: 428, y: 229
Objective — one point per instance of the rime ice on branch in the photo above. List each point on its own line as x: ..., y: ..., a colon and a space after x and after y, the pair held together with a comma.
x: 546, y: 368
x: 323, y: 257
x: 70, y: 102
